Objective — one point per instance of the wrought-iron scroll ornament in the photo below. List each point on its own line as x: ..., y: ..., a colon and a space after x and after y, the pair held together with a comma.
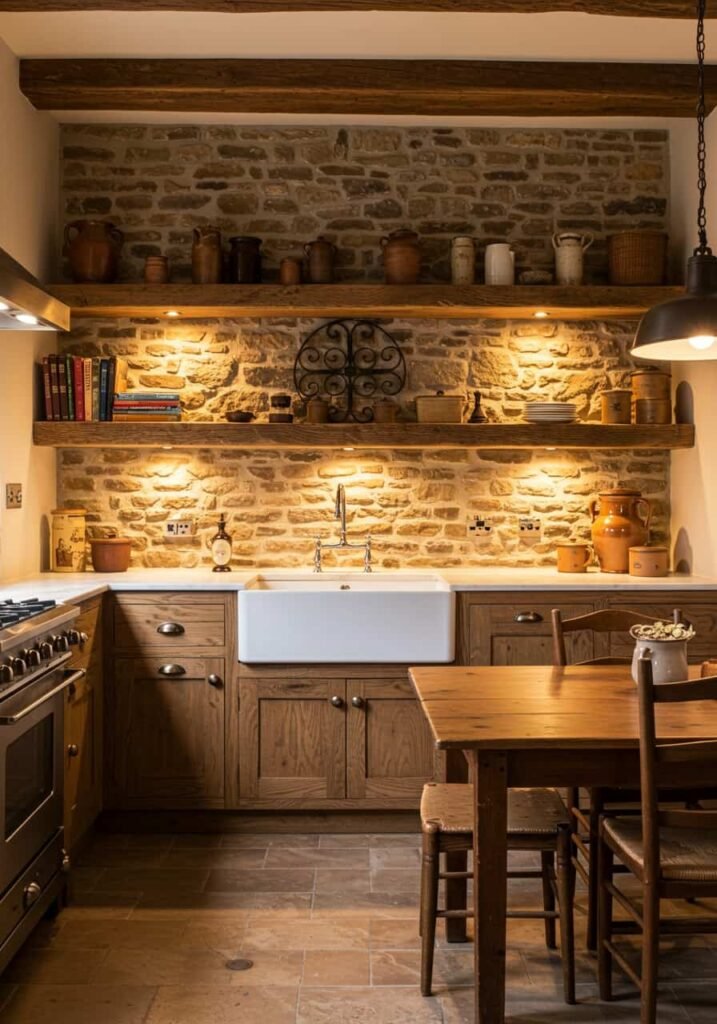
x: 348, y: 362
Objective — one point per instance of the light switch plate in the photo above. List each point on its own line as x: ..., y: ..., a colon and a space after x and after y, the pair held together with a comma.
x: 13, y: 495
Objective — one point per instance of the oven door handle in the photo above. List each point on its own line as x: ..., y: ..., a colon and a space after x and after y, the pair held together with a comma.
x: 69, y: 679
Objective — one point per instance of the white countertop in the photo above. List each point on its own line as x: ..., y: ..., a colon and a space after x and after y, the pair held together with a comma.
x: 81, y: 586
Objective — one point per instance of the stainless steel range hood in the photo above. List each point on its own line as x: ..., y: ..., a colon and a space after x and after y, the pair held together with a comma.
x: 24, y: 305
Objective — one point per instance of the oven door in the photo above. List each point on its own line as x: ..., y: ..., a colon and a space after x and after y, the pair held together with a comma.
x: 31, y: 769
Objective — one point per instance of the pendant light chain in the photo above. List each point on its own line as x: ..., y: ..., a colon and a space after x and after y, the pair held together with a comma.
x: 703, y: 248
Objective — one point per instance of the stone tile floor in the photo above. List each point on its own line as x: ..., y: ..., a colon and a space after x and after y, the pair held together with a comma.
x: 330, y: 922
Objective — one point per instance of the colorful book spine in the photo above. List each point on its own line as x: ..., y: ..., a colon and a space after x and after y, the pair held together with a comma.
x: 78, y: 387
x: 70, y: 387
x: 55, y: 388
x: 104, y: 375
x: 62, y: 379
x: 47, y: 388
x: 111, y: 375
x: 87, y: 386
x: 95, y: 389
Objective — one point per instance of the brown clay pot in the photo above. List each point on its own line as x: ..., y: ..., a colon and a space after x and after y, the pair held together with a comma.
x: 401, y: 257
x: 290, y: 271
x: 320, y: 255
x: 207, y: 256
x: 92, y: 248
x: 618, y: 526
x: 111, y: 554
x: 156, y: 270
x: 245, y: 259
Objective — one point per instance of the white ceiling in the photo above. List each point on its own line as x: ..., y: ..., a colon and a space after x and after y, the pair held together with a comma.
x: 350, y: 34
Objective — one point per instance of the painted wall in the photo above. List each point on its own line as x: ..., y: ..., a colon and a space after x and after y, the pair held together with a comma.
x: 694, y: 481
x: 28, y: 230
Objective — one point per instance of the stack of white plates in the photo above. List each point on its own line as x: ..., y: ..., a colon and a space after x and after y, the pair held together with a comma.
x: 550, y: 412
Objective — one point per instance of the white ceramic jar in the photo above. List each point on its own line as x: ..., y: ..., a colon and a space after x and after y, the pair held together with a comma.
x: 68, y: 540
x: 463, y: 260
x: 499, y: 264
x: 668, y: 657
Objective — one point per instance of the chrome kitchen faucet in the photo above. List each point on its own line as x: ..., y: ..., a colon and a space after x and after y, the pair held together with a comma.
x: 342, y: 544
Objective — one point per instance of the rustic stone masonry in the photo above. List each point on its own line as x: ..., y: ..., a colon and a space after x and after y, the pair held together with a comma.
x: 354, y: 185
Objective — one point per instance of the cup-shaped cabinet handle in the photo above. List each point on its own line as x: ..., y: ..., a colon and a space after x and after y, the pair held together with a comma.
x: 528, y: 617
x: 170, y: 629
x: 72, y: 750
x: 172, y: 670
x: 358, y: 702
x: 338, y: 702
x: 216, y: 681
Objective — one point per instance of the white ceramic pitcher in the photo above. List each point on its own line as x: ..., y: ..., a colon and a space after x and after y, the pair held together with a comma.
x: 499, y: 264
x: 569, y: 248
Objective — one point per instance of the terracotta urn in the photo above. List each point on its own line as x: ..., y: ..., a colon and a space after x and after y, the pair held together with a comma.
x: 401, y: 257
x: 206, y: 255
x: 92, y: 248
x: 618, y: 525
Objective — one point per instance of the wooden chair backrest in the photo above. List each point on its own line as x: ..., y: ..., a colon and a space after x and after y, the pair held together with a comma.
x: 656, y: 759
x: 605, y: 620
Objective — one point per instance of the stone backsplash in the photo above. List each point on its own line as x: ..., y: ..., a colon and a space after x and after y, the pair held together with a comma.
x: 354, y: 185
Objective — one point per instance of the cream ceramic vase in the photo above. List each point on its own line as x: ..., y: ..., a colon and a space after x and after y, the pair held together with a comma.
x: 668, y: 657
x: 569, y: 248
x: 499, y: 264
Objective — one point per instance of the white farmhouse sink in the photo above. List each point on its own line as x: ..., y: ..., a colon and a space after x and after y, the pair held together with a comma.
x: 347, y: 617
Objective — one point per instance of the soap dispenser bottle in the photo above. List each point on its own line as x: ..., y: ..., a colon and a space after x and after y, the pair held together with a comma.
x: 221, y: 545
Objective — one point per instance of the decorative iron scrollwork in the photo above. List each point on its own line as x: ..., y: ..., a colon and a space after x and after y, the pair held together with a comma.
x: 346, y: 362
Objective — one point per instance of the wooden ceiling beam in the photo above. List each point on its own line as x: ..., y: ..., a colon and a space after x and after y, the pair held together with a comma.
x: 378, y: 87
x: 627, y: 8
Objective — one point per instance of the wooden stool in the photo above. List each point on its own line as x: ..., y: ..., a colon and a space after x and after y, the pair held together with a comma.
x: 537, y: 820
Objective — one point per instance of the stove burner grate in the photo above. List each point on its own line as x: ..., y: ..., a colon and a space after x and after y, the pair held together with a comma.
x: 13, y: 612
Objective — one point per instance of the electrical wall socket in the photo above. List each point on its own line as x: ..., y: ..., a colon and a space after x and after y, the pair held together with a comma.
x: 175, y: 529
x: 479, y: 526
x: 13, y: 495
x: 529, y: 526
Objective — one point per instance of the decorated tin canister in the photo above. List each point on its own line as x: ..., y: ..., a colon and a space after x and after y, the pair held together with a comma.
x: 68, y: 540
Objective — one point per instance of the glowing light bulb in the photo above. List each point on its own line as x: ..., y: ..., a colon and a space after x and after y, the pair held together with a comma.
x: 172, y: 312
x: 26, y: 318
x: 702, y: 341
x: 540, y: 314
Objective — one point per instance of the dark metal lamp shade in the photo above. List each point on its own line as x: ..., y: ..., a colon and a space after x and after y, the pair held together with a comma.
x: 683, y: 329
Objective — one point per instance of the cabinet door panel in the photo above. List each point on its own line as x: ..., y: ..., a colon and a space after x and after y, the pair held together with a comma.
x: 521, y: 634
x: 390, y: 750
x: 83, y: 729
x: 165, y: 735
x: 292, y: 739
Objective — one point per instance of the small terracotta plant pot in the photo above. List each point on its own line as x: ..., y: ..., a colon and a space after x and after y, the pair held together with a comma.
x: 111, y: 554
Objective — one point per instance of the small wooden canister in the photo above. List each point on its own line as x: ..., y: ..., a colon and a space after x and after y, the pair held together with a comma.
x: 68, y: 540
x: 573, y: 557
x: 317, y: 411
x: 385, y: 411
x: 156, y: 270
x: 616, y: 405
x: 653, y: 410
x: 650, y: 382
x: 290, y: 271
x: 646, y: 561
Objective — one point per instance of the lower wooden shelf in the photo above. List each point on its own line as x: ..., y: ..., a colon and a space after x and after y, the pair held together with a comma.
x: 259, y: 436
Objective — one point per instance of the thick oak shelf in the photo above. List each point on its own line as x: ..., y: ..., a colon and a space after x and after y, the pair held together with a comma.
x: 424, y: 301
x: 275, y: 436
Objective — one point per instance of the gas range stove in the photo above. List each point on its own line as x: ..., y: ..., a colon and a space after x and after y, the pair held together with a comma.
x: 24, y: 621
x: 12, y: 612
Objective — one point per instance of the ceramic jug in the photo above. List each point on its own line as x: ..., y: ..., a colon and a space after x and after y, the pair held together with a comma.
x: 617, y: 526
x: 92, y: 248
x: 569, y: 248
x: 499, y: 264
x: 401, y: 257
x: 206, y: 256
x: 320, y: 255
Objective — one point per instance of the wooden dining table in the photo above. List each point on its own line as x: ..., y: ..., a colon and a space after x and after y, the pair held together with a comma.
x: 536, y: 726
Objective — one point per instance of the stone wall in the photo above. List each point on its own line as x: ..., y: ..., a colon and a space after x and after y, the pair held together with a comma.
x: 354, y: 185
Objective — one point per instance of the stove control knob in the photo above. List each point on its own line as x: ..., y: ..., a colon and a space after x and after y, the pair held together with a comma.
x: 45, y: 650
x: 6, y: 674
x: 18, y: 665
x: 32, y: 657
x: 31, y: 893
x: 75, y: 636
x: 60, y: 644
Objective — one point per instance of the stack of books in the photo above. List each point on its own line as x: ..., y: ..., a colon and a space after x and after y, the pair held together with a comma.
x: 79, y: 388
x: 146, y: 407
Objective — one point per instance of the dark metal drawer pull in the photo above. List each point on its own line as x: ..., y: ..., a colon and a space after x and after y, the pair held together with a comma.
x: 528, y: 617
x: 172, y: 670
x: 358, y: 702
x: 215, y: 681
x: 170, y: 629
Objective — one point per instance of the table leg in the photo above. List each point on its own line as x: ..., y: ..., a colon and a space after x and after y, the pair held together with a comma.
x: 456, y: 888
x: 489, y: 884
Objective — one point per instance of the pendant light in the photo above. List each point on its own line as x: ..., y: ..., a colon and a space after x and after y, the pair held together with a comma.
x: 685, y: 329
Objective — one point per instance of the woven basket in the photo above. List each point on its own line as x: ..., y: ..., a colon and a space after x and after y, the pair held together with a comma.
x: 637, y: 257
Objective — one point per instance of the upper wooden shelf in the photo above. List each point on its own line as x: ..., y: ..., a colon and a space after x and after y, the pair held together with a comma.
x: 423, y: 301
x: 280, y: 436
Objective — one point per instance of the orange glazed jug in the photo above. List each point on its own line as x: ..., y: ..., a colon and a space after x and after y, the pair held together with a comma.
x: 617, y: 526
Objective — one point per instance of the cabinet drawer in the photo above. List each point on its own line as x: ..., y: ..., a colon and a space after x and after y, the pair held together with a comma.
x: 521, y: 634
x: 702, y: 616
x: 169, y: 623
x: 532, y: 616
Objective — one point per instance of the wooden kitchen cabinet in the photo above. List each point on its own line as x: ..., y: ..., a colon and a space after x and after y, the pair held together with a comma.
x: 701, y: 613
x: 83, y: 728
x: 496, y: 629
x: 292, y: 740
x: 165, y: 736
x: 390, y: 751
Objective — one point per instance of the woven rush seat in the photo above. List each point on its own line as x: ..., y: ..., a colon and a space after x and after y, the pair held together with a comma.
x: 688, y: 855
x: 531, y: 812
